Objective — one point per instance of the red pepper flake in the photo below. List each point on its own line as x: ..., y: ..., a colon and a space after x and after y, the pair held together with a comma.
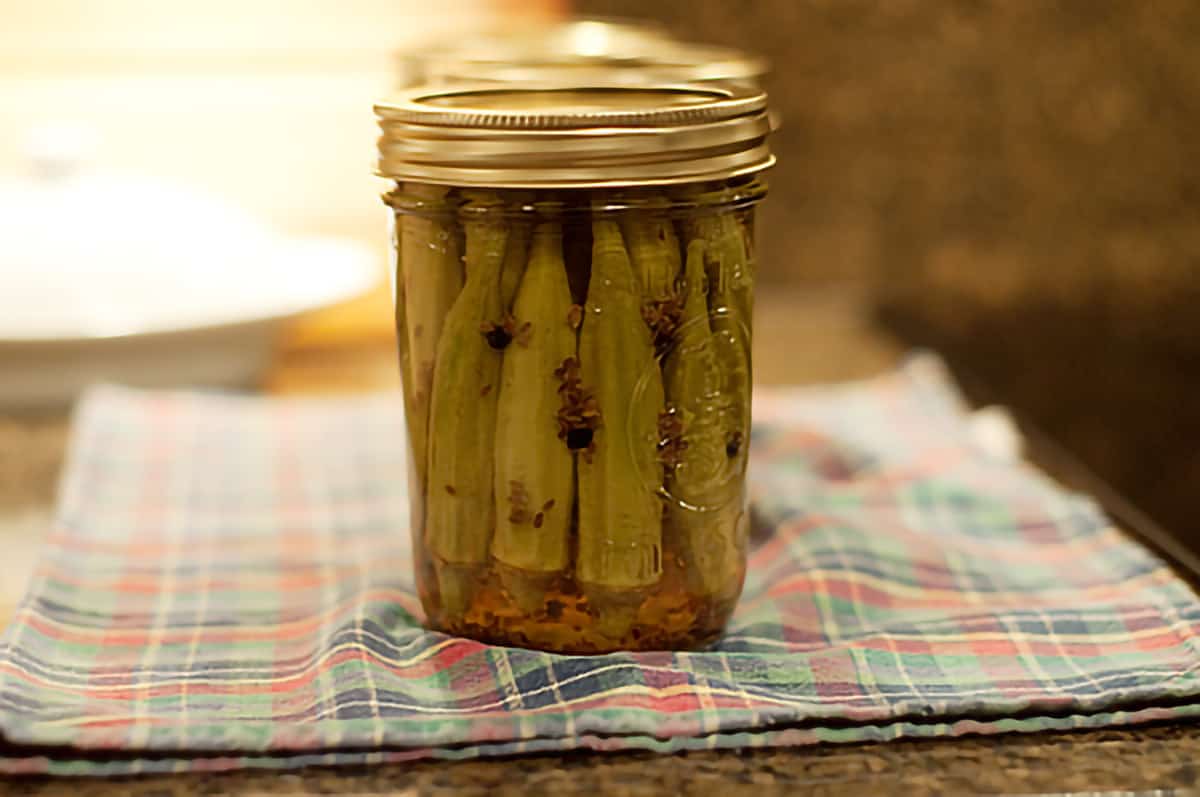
x: 450, y: 489
x: 483, y: 391
x: 538, y: 519
x: 546, y: 507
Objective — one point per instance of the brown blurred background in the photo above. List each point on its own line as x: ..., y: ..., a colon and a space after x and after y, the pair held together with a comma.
x: 1016, y: 183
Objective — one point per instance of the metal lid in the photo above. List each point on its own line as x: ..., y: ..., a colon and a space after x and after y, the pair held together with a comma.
x: 546, y: 136
x: 588, y: 52
x: 507, y: 44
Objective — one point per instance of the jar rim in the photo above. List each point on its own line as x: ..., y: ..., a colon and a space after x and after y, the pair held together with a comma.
x: 556, y: 135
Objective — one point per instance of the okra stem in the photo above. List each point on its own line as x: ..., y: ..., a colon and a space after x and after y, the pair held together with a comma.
x: 654, y: 251
x: 516, y: 255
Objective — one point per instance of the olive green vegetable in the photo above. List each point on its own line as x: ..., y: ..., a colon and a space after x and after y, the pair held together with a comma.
x: 460, y: 512
x: 433, y: 277
x: 654, y: 250
x: 730, y: 304
x: 516, y: 254
x: 400, y: 309
x: 736, y: 267
x: 727, y: 260
x: 704, y: 481
x: 729, y: 253
x: 400, y: 306
x: 620, y: 515
x: 535, y: 471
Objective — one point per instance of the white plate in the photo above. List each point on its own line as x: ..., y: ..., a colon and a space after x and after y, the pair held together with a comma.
x: 134, y: 280
x: 221, y: 337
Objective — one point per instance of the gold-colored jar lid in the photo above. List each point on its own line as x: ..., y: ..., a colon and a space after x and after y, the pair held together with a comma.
x: 548, y: 136
x: 589, y: 52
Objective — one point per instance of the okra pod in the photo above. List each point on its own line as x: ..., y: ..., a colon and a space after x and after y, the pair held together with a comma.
x: 620, y: 514
x: 433, y: 277
x: 460, y: 511
x: 730, y: 304
x: 516, y: 255
x: 535, y: 470
x: 704, y: 478
x: 654, y: 251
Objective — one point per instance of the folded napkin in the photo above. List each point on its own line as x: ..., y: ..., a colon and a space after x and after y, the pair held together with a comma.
x: 228, y: 584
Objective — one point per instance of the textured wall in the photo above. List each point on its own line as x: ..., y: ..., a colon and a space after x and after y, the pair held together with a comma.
x: 1020, y: 182
x: 916, y: 132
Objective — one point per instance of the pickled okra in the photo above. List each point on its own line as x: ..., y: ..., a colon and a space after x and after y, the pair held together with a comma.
x: 620, y: 514
x: 459, y: 510
x: 535, y: 469
x: 704, y: 478
x: 729, y: 264
x: 432, y: 277
x: 729, y: 274
x: 516, y: 254
x: 587, y: 385
x: 654, y: 251
x: 400, y: 310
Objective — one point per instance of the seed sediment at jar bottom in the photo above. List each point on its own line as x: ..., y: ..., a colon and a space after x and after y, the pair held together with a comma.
x: 577, y: 384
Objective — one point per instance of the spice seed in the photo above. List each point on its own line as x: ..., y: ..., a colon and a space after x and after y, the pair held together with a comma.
x: 579, y: 438
x: 498, y: 338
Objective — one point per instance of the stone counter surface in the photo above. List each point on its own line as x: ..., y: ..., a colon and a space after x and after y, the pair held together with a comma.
x: 1146, y: 758
x: 1150, y: 759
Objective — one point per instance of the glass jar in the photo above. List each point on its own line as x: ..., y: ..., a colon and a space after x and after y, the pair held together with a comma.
x: 573, y: 305
x: 576, y: 51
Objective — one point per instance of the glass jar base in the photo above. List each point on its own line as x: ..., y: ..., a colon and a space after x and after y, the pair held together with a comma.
x: 668, y: 619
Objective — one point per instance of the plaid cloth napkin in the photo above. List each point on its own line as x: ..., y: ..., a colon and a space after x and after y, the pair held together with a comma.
x: 228, y: 585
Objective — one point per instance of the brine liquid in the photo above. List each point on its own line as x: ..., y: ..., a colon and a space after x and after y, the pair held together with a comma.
x: 708, y: 422
x: 670, y: 618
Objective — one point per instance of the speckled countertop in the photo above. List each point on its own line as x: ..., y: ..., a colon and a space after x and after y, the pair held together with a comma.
x: 1149, y: 758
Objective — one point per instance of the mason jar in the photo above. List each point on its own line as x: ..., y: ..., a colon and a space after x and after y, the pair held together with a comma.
x: 581, y: 51
x: 574, y: 277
